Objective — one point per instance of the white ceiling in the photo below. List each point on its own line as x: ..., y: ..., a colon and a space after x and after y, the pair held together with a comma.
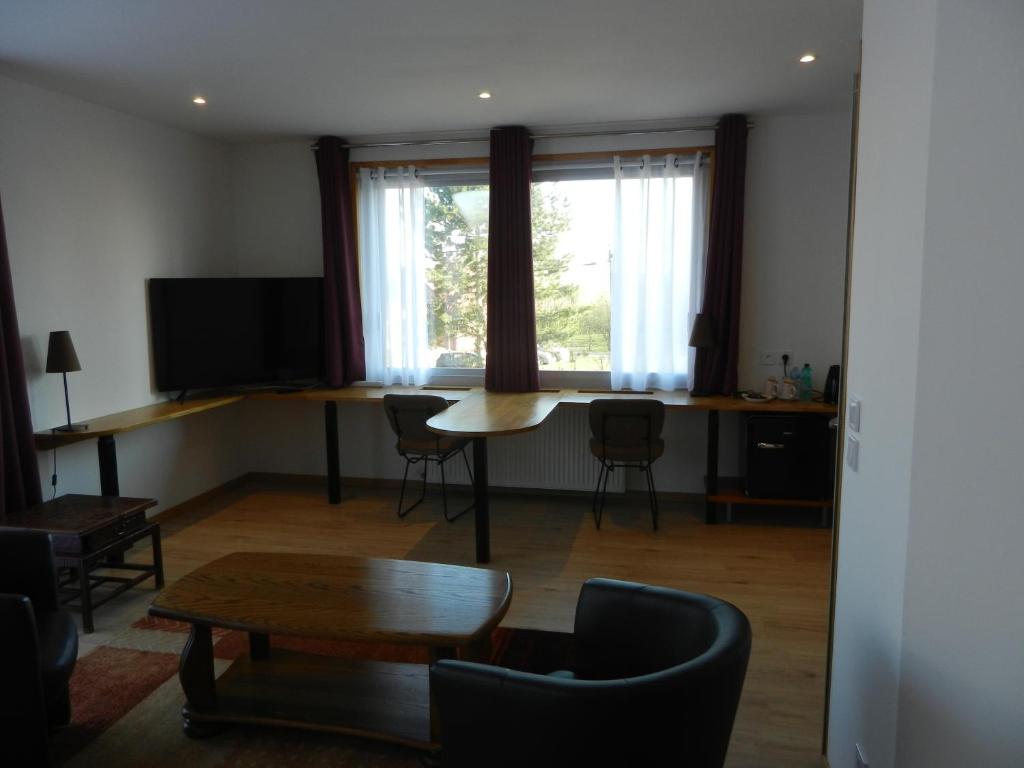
x: 274, y: 68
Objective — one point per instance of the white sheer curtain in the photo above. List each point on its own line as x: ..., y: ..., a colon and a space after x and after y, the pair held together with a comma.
x: 657, y: 271
x: 393, y: 275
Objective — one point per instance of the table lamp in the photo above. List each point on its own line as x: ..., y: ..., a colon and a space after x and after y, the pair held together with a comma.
x: 61, y: 358
x: 702, y: 336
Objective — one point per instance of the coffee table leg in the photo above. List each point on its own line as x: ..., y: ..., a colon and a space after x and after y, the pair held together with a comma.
x: 197, y: 680
x: 481, y: 510
x: 158, y: 557
x: 259, y: 646
x: 436, y: 654
x: 479, y: 651
x: 333, y: 461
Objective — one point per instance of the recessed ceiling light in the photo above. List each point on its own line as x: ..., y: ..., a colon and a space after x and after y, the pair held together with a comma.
x: 200, y: 100
x: 485, y: 94
x: 807, y: 58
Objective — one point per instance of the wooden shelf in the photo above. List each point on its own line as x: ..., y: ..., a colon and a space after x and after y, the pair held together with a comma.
x: 369, y: 699
x: 730, y: 491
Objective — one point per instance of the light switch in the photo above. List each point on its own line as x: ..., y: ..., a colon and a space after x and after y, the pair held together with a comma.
x: 852, y: 452
x: 853, y: 414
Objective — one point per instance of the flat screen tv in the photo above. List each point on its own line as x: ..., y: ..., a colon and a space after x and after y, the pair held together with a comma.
x: 220, y: 332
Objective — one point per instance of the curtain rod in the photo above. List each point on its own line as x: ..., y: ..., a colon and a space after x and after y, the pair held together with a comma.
x: 548, y: 166
x: 556, y: 135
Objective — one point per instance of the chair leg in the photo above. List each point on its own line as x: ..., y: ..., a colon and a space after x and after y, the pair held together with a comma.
x: 444, y: 490
x: 597, y: 493
x: 652, y: 496
x: 604, y: 493
x: 423, y: 492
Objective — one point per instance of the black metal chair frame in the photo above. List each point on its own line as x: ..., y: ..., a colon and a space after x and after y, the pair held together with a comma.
x: 439, y: 458
x: 609, y: 465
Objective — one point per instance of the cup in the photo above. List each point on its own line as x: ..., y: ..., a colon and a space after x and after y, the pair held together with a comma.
x: 788, y: 390
x: 771, y: 387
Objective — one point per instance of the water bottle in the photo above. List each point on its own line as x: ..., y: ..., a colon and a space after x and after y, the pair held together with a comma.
x: 805, y: 382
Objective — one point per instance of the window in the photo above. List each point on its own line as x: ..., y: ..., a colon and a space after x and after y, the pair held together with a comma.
x: 456, y: 245
x: 423, y: 269
x: 572, y: 249
x: 618, y: 246
x: 618, y: 265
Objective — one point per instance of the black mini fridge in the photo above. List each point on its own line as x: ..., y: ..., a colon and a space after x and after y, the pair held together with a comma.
x: 787, y: 457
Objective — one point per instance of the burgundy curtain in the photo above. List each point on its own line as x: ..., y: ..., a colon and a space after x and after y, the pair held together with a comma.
x: 19, y: 473
x: 511, y: 319
x: 716, y: 366
x: 343, y: 313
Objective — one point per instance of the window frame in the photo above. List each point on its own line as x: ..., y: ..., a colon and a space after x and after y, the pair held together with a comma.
x: 469, y: 377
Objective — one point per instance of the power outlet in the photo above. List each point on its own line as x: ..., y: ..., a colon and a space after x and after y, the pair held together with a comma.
x: 859, y: 760
x: 790, y: 360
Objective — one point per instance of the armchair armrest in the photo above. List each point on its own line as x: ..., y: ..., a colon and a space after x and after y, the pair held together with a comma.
x: 23, y: 724
x: 27, y: 567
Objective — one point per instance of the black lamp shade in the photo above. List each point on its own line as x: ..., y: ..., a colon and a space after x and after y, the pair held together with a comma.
x: 60, y: 356
x: 703, y: 334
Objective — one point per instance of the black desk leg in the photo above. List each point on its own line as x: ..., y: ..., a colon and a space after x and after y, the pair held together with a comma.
x: 481, y: 511
x: 108, y: 465
x: 108, y: 485
x: 711, y: 483
x: 333, y: 464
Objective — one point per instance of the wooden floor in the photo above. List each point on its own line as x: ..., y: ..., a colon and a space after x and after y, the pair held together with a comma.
x: 777, y: 574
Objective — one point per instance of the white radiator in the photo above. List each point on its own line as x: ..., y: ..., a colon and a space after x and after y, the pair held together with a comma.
x: 556, y: 456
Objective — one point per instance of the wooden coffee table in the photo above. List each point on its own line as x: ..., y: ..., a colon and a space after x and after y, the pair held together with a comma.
x: 449, y: 609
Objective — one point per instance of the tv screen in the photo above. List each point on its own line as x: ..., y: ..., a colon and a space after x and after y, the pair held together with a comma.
x: 217, y: 332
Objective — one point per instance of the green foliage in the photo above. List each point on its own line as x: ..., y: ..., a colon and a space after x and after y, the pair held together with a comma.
x: 456, y: 241
x: 457, y: 277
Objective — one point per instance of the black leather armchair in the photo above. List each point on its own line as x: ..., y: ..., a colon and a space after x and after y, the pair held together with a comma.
x: 38, y: 648
x: 657, y: 681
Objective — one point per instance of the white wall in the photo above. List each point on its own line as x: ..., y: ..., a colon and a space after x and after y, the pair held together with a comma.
x: 95, y: 202
x: 275, y: 214
x: 927, y: 668
x: 962, y: 678
x: 795, y: 234
x: 794, y: 255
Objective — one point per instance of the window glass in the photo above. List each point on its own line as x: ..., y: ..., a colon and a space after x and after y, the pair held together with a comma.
x: 456, y: 245
x: 572, y: 243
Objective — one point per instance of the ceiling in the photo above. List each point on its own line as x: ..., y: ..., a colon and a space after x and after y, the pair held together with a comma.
x: 274, y: 68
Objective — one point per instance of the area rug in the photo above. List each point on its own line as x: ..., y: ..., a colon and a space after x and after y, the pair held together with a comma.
x: 126, y: 702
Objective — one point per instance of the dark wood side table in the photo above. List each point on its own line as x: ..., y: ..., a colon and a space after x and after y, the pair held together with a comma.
x: 86, y: 532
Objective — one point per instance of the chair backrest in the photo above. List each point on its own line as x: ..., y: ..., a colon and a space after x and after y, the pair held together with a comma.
x: 408, y: 414
x: 624, y: 629
x: 626, y: 422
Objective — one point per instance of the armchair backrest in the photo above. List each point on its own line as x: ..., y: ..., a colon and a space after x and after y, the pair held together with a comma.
x: 626, y: 630
x: 27, y: 567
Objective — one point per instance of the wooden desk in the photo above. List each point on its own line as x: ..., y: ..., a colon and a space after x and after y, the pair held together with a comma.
x: 491, y: 414
x: 475, y: 413
x: 450, y: 609
x: 105, y: 427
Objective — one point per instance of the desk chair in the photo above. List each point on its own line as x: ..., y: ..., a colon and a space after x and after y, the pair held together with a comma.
x: 626, y: 433
x: 407, y: 415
